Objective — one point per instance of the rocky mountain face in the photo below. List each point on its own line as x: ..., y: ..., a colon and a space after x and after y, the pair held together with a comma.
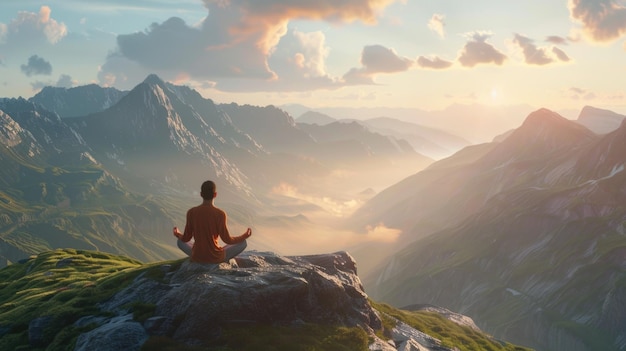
x: 159, y: 141
x: 84, y: 300
x: 77, y: 101
x: 148, y: 124
x: 534, y: 249
x: 54, y: 193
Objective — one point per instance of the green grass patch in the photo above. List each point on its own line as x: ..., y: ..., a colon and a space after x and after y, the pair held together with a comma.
x: 63, y: 284
x: 451, y: 335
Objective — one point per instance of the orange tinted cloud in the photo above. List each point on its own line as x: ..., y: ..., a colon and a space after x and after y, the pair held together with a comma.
x: 267, y: 20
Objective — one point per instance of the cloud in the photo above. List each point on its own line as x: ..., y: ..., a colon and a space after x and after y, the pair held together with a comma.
x: 602, y: 20
x: 376, y: 59
x: 436, y: 24
x: 554, y: 39
x: 38, y: 85
x: 560, y: 54
x: 30, y: 27
x: 539, y: 56
x: 532, y: 54
x: 65, y: 81
x: 381, y: 233
x: 477, y: 51
x: 358, y: 76
x: 379, y: 59
x: 581, y: 94
x: 434, y: 63
x: 36, y: 66
x: 299, y: 63
x: 4, y: 31
x: 240, y: 39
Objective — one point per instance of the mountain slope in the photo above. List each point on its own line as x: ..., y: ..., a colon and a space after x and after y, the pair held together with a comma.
x: 543, y: 241
x: 428, y: 141
x: 148, y: 135
x: 54, y: 193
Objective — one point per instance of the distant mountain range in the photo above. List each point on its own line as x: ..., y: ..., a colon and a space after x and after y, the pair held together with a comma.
x: 130, y: 156
x: 526, y: 235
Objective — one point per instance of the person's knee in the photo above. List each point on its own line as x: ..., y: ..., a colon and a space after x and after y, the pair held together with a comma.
x: 184, y: 247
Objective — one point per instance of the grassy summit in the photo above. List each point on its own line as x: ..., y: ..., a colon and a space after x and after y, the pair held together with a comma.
x: 65, y: 285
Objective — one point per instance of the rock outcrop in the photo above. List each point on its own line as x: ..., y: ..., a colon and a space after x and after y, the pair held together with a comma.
x: 193, y: 302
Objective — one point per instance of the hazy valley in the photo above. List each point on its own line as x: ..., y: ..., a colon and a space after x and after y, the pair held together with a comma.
x: 520, y: 227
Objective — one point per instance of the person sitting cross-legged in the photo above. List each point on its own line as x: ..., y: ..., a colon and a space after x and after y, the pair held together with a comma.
x: 206, y: 224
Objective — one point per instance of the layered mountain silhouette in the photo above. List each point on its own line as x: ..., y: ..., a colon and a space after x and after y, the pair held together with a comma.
x: 154, y: 145
x: 526, y: 236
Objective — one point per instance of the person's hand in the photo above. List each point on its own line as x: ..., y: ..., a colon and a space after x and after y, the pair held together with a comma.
x: 248, y: 233
x: 177, y: 232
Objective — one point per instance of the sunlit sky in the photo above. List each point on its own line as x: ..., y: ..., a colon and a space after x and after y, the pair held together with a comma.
x: 425, y: 54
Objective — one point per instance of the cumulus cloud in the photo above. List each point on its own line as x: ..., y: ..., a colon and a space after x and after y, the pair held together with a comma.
x: 299, y: 63
x: 377, y: 59
x: 358, y: 76
x: 65, y: 81
x: 30, y: 27
x: 434, y: 62
x: 36, y: 66
x: 477, y: 51
x: 239, y: 39
x: 437, y: 24
x: 602, y: 20
x: 534, y: 55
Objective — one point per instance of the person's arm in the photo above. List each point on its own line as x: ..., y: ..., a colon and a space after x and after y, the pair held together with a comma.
x: 188, y: 234
x: 225, y: 235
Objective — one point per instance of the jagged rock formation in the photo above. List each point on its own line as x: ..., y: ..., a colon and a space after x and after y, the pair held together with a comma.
x: 193, y: 302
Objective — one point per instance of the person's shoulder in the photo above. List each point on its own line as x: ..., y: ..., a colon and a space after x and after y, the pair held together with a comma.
x: 220, y: 211
x: 193, y: 209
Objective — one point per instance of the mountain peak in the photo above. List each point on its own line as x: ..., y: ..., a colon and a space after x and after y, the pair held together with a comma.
x: 547, y: 126
x: 543, y: 131
x: 599, y: 120
x: 153, y: 79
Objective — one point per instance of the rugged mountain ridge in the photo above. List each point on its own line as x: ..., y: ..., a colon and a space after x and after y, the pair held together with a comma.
x: 77, y: 101
x: 55, y: 193
x: 536, y: 232
x: 143, y: 153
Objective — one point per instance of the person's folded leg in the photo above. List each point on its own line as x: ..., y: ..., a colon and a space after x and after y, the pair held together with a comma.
x: 185, y: 246
x: 230, y: 251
